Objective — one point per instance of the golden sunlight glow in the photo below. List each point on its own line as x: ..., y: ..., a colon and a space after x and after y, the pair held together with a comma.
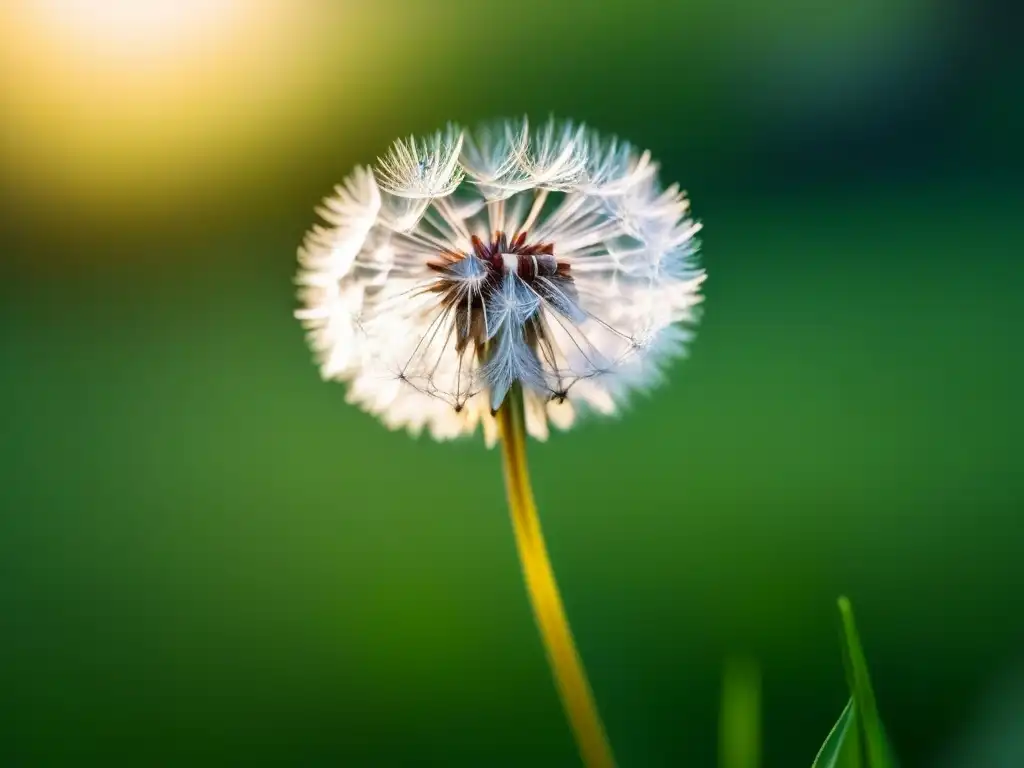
x: 140, y: 28
x: 120, y: 106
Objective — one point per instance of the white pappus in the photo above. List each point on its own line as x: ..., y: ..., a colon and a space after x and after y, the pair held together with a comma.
x: 467, y: 262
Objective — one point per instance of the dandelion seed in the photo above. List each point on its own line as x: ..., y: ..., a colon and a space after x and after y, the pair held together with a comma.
x: 465, y: 263
x: 510, y: 278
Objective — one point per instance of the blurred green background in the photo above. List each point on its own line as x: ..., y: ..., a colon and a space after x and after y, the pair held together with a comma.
x: 207, y: 557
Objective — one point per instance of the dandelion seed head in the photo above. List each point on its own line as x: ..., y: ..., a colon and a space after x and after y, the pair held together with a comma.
x: 466, y: 263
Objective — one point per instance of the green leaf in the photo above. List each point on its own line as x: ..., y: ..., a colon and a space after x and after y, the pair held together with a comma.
x: 858, y: 738
x: 842, y: 747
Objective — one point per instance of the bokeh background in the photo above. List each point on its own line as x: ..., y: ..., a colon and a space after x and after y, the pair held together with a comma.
x: 206, y: 557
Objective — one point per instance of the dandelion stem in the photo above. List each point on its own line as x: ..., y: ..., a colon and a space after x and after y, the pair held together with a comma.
x: 570, y: 677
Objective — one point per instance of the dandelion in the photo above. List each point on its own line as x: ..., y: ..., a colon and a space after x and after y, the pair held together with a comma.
x: 509, y: 279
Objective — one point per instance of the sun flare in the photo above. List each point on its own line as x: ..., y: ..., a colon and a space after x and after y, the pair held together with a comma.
x: 139, y: 28
x: 118, y: 108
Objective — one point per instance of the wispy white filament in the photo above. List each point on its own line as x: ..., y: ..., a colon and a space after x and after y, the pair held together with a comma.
x: 430, y: 332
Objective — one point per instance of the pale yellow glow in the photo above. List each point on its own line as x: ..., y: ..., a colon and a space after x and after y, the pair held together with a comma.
x: 115, y: 106
x: 138, y: 28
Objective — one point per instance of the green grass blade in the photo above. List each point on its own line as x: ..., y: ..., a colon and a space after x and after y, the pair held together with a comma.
x: 857, y: 740
x: 842, y: 747
x: 876, y: 751
x: 740, y: 719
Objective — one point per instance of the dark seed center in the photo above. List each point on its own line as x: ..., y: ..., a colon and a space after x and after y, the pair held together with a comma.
x: 533, y: 263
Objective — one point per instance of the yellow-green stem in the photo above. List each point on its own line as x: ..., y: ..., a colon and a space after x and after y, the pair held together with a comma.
x: 570, y: 677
